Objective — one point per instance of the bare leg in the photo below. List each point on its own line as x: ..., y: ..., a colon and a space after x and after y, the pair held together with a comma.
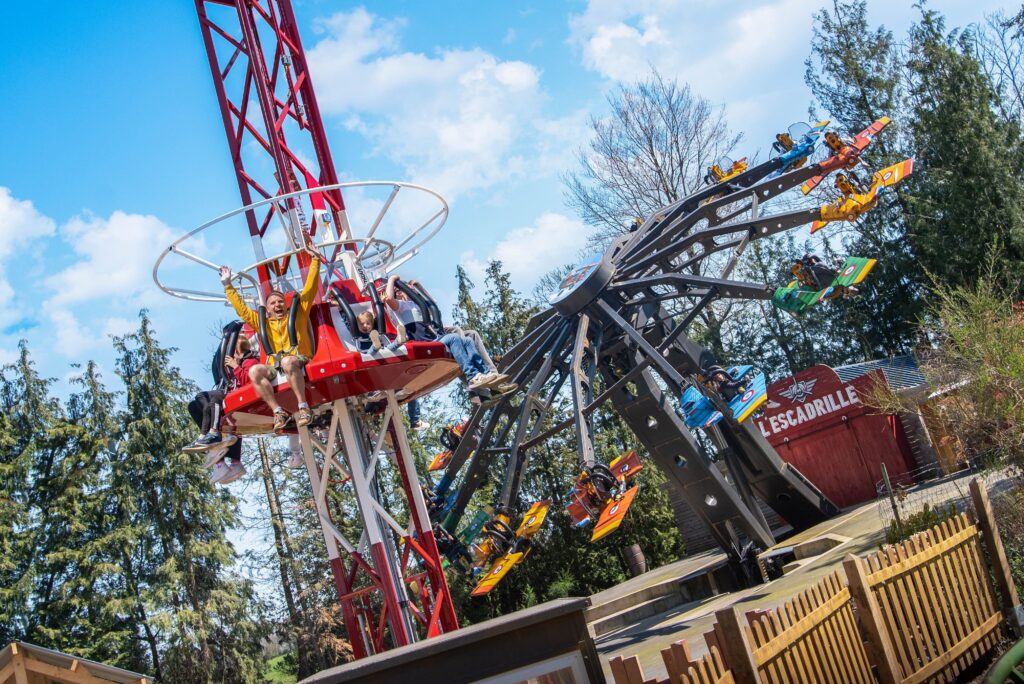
x: 296, y: 379
x: 260, y: 376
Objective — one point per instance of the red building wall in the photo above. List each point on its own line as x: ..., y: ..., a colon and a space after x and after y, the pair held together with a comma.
x: 817, y: 422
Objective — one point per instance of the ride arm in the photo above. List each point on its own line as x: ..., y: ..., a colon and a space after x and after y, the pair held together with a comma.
x: 247, y: 315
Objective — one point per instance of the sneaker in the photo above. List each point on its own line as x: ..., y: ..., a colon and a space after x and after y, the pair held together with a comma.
x: 213, y: 440
x: 295, y: 459
x: 303, y: 417
x: 420, y: 426
x: 375, y: 340
x: 496, y: 379
x: 234, y: 471
x: 478, y: 381
x: 400, y: 336
x: 195, y: 447
x: 213, y: 456
x: 220, y: 471
x: 480, y: 395
x: 280, y: 419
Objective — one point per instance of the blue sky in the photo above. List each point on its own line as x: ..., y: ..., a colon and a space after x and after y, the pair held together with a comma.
x: 113, y: 143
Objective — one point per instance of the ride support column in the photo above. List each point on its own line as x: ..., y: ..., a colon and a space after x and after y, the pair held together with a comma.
x: 362, y: 467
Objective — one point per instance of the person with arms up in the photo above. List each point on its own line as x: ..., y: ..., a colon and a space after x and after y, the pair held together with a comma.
x: 284, y: 358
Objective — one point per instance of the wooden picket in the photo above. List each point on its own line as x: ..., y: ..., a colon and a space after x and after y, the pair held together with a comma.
x: 680, y: 665
x: 811, y: 638
x: 936, y: 603
x: 707, y: 670
x: 927, y: 608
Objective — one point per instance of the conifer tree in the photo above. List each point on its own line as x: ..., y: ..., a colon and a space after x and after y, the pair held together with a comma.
x: 970, y: 195
x: 78, y: 613
x: 181, y: 573
x: 312, y: 623
x: 28, y: 412
x: 855, y: 74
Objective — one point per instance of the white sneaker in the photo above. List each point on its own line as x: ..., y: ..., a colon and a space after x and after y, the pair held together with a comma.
x: 495, y: 379
x: 213, y: 456
x: 234, y: 471
x: 220, y: 471
x: 478, y: 381
x: 421, y: 426
x: 295, y: 459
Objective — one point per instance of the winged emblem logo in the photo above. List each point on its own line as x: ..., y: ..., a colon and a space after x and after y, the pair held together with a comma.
x: 799, y: 390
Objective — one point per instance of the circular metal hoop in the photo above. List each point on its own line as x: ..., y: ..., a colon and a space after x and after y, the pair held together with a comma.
x: 373, y: 253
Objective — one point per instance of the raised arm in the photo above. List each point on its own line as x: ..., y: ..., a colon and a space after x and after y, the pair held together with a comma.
x: 312, y: 280
x: 389, y: 293
x: 244, y: 312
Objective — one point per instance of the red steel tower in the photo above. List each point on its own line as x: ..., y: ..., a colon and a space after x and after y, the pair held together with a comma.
x: 390, y: 580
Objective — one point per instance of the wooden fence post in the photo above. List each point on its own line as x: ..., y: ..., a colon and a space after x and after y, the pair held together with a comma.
x: 737, y: 651
x: 996, y: 551
x: 871, y: 620
x: 677, y: 659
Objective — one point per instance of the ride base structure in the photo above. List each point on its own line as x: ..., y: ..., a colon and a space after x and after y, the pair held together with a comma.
x: 387, y: 569
x: 616, y: 331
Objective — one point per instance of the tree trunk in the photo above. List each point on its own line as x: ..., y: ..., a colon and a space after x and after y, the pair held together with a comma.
x: 140, y: 608
x: 277, y: 524
x: 291, y: 582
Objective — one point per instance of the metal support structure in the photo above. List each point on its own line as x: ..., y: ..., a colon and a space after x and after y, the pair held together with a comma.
x: 582, y: 393
x: 608, y: 316
x: 652, y: 418
x: 256, y: 57
x: 391, y: 582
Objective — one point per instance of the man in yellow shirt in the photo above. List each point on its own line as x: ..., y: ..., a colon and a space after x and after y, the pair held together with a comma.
x: 284, y: 357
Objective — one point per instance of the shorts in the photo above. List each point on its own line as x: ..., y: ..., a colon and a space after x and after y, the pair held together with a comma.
x: 276, y: 373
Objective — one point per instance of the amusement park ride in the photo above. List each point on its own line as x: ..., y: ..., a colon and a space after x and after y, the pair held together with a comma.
x: 615, y: 332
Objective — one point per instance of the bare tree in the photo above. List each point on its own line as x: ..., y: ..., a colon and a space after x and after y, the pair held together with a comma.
x: 1001, y: 53
x: 653, y: 149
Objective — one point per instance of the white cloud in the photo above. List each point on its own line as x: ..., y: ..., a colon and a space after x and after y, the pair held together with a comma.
x: 72, y: 339
x: 112, y: 273
x: 21, y: 224
x: 457, y: 120
x: 753, y: 50
x: 117, y: 326
x: 528, y: 253
x: 115, y: 257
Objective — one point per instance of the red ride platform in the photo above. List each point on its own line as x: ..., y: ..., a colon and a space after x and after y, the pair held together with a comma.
x: 338, y: 370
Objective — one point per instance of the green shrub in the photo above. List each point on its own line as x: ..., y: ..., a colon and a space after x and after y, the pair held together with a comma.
x: 924, y: 519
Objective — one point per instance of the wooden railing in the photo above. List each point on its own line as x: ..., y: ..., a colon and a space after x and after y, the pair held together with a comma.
x: 922, y: 610
x: 936, y: 606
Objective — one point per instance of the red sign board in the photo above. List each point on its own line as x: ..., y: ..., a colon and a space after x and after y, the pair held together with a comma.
x: 819, y: 424
x: 808, y: 400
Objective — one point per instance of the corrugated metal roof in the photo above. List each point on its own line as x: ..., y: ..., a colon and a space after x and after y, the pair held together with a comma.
x: 901, y: 372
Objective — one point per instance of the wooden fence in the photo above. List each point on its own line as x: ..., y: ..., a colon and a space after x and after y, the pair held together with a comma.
x: 923, y: 610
